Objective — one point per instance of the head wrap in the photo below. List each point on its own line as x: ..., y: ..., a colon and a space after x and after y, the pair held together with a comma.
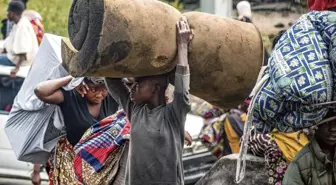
x: 321, y: 5
x: 244, y: 10
x: 23, y: 1
x: 16, y: 6
x: 208, y: 111
x: 95, y: 80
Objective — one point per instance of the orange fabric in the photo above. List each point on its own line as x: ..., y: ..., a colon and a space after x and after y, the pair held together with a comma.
x: 289, y: 143
x: 231, y: 135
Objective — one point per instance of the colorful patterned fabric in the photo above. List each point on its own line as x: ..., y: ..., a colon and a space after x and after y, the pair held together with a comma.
x: 300, y: 71
x: 108, y: 174
x: 258, y: 143
x: 320, y: 5
x: 222, y: 134
x: 38, y: 29
x: 208, y: 111
x: 212, y: 136
x: 289, y: 143
x: 276, y: 164
x: 36, y: 21
x: 61, y: 170
x: 234, y: 128
x: 100, y: 141
x: 262, y: 145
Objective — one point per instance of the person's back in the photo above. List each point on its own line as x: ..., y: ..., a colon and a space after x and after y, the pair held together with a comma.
x: 36, y: 21
x: 20, y: 47
x: 161, y: 156
x: 315, y: 164
x: 22, y: 39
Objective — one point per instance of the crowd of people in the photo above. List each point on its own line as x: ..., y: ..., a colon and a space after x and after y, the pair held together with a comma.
x: 126, y: 131
x: 306, y: 158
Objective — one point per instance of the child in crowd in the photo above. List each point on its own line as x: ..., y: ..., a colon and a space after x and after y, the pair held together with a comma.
x: 157, y: 128
x: 315, y: 164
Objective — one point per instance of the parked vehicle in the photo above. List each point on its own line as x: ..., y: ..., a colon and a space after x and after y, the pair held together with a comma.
x: 12, y: 171
x: 197, y: 159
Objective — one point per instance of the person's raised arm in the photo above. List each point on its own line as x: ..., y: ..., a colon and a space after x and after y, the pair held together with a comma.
x: 50, y: 91
x: 181, y: 103
x: 120, y: 93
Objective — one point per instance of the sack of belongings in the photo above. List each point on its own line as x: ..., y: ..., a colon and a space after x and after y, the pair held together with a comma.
x: 99, y: 152
x: 117, y: 38
x: 33, y: 127
x: 301, y: 71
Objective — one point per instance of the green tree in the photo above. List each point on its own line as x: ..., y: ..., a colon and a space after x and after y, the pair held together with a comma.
x: 54, y: 13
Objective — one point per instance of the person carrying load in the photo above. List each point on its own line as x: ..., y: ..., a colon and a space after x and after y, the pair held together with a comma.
x: 315, y: 163
x: 21, y: 45
x: 81, y: 107
x: 35, y: 19
x: 296, y: 88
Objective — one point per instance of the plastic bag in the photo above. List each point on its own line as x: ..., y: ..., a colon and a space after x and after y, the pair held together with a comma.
x: 34, y: 127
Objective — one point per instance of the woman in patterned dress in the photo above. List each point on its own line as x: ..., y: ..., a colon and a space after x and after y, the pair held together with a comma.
x: 81, y: 108
x: 278, y: 149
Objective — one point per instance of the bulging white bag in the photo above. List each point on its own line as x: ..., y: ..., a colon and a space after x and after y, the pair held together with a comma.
x: 34, y: 127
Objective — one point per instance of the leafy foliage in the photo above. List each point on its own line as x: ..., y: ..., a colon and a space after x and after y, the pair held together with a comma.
x: 54, y: 13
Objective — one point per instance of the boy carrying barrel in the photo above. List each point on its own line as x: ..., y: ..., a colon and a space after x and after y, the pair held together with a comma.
x: 157, y: 128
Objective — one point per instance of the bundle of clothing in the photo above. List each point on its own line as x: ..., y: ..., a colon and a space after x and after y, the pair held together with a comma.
x: 299, y: 81
x: 278, y: 149
x: 101, y: 148
x: 99, y: 158
x: 221, y: 132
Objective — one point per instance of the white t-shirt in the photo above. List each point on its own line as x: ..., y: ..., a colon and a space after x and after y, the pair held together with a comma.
x: 22, y: 39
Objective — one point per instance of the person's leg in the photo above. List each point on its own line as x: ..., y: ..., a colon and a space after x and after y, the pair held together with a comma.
x: 5, y: 61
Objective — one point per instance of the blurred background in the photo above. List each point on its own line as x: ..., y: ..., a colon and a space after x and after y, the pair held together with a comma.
x: 270, y: 16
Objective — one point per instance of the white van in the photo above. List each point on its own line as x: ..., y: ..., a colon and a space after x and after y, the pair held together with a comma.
x: 12, y: 171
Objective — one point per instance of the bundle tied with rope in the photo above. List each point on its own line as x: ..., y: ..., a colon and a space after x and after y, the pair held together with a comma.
x: 296, y: 90
x: 118, y: 39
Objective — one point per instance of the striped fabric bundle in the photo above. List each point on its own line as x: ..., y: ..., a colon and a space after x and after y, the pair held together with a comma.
x: 258, y: 143
x: 100, y: 141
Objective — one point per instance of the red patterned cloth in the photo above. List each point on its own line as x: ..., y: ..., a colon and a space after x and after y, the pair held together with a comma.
x: 36, y: 21
x: 61, y: 165
x: 320, y: 5
x: 38, y: 29
x: 100, y: 141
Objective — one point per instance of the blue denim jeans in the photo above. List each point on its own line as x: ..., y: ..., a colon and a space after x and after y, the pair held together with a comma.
x: 5, y: 61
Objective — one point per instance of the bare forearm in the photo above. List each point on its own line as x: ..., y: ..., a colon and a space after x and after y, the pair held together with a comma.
x: 183, y: 55
x: 37, y: 168
x: 47, y: 88
x: 22, y: 58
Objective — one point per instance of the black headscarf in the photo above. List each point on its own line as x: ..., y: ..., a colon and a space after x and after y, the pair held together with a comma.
x: 277, y: 38
x: 16, y: 6
x: 94, y: 80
